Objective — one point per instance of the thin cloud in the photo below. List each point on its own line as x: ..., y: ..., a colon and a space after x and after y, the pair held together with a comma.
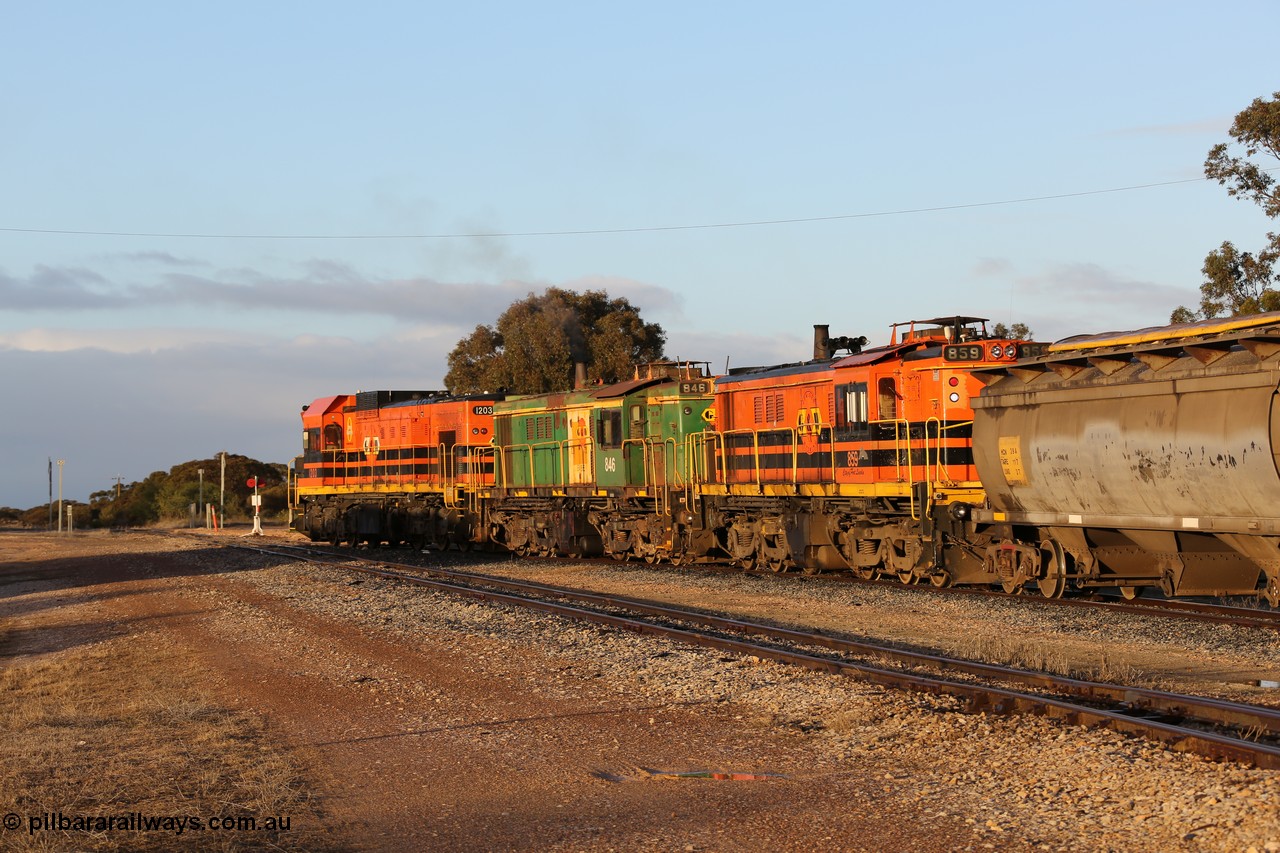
x: 1086, y: 297
x: 1085, y: 281
x: 1218, y: 125
x: 61, y: 288
x: 322, y: 287
x: 163, y: 258
x: 992, y: 266
x: 132, y: 340
x: 738, y: 349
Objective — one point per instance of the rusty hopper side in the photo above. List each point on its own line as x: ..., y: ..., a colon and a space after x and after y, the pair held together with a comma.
x: 1148, y: 457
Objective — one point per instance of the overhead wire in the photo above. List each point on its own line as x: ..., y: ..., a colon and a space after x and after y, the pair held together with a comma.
x: 591, y: 231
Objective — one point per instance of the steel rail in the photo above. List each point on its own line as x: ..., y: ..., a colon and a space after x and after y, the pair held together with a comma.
x: 1223, y: 613
x: 1132, y: 700
x: 1242, y: 617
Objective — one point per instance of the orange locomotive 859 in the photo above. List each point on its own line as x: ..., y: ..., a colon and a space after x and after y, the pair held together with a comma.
x: 863, y: 462
x: 394, y: 466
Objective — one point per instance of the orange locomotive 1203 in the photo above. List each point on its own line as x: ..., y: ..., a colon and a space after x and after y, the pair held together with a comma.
x: 394, y: 466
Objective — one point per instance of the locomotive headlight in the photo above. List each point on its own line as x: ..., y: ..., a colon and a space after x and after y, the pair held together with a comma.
x: 960, y: 511
x: 997, y: 351
x: 955, y: 398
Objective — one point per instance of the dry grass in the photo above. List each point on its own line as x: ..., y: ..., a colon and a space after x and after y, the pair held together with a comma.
x: 1045, y: 657
x: 853, y: 718
x: 112, y: 729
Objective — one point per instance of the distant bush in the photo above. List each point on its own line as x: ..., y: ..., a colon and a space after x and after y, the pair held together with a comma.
x: 169, y: 495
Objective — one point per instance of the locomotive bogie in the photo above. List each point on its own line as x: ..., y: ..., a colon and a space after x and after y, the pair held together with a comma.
x: 634, y: 528
x: 417, y: 520
x: 543, y: 527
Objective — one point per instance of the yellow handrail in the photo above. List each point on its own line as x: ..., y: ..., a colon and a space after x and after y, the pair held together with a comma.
x: 645, y: 458
x: 755, y: 451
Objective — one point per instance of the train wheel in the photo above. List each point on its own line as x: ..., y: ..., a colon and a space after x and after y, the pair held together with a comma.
x: 1054, y: 565
x: 1130, y: 592
x: 1052, y: 587
x: 865, y: 573
x: 907, y: 577
x: 1011, y: 587
x: 940, y: 579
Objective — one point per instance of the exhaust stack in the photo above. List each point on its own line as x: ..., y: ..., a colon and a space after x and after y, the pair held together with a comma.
x: 821, y: 342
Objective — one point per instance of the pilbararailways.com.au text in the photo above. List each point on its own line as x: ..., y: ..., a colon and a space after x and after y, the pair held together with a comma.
x: 139, y: 822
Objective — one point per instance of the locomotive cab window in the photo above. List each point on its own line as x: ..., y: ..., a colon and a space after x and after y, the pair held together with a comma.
x: 637, y: 422
x: 888, y: 399
x: 610, y: 429
x: 851, y: 409
x: 332, y: 436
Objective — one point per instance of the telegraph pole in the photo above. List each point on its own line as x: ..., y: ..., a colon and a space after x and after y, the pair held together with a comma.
x: 222, y: 492
x: 61, y: 462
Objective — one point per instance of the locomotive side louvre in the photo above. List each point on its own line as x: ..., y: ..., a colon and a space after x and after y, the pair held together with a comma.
x: 393, y: 466
x: 1149, y: 458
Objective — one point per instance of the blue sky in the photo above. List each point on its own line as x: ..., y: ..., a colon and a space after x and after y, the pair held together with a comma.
x: 129, y: 354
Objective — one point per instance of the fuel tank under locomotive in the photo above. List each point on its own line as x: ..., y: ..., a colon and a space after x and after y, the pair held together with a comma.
x: 1149, y: 457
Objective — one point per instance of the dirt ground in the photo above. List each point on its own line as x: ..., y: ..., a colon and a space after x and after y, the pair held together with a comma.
x: 211, y: 683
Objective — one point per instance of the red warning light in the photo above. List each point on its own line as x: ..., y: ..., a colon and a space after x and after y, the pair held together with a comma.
x: 252, y: 483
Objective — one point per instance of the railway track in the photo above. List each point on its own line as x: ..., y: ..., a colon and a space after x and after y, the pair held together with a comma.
x: 1241, y: 617
x: 1198, y: 611
x: 1210, y: 727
